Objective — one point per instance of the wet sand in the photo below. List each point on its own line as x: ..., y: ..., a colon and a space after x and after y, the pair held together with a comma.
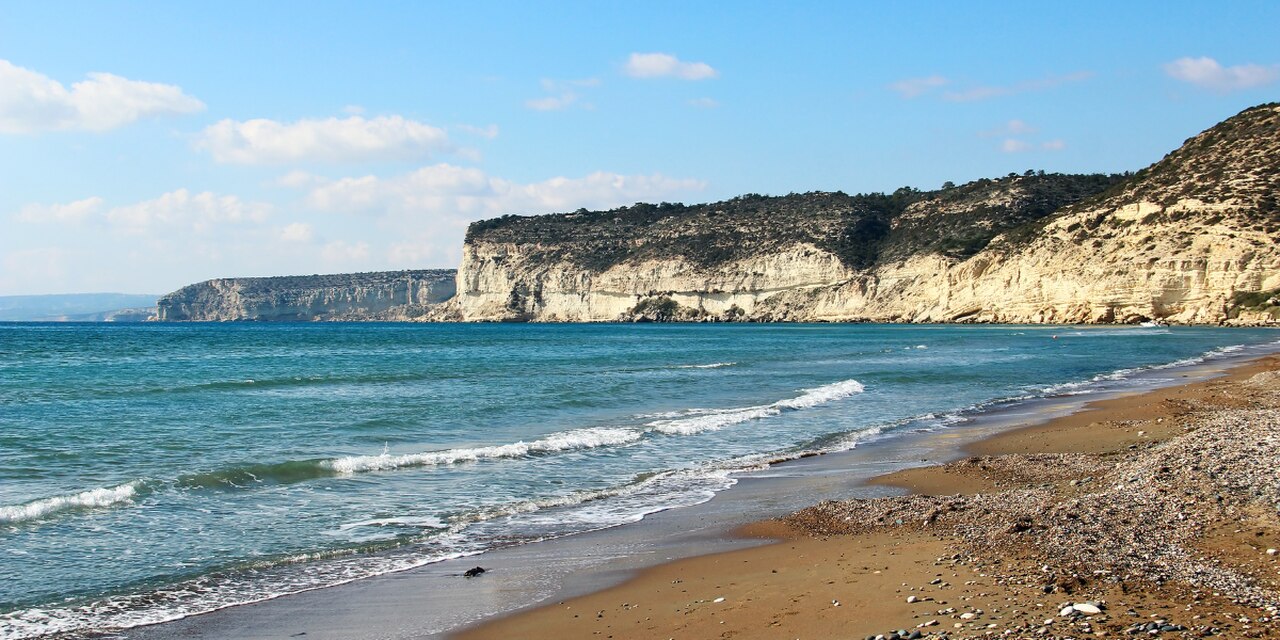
x: 1159, y: 508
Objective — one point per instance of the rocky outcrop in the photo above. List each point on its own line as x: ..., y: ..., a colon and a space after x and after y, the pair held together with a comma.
x: 1181, y: 241
x: 389, y: 295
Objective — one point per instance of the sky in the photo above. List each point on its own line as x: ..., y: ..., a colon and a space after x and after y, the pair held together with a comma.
x: 149, y: 145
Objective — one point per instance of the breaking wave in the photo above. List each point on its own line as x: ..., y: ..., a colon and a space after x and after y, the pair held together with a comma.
x: 699, y: 420
x: 91, y: 499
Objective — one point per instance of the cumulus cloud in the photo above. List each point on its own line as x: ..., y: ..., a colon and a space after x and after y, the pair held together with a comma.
x: 1207, y: 73
x: 665, y: 65
x: 470, y: 193
x: 334, y: 140
x: 198, y: 212
x: 915, y: 87
x: 69, y: 212
x: 31, y: 102
x: 300, y: 232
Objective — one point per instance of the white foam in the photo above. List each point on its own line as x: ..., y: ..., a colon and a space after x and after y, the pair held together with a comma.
x: 100, y: 497
x: 713, y: 365
x: 426, y: 522
x: 711, y: 420
x: 568, y: 440
x: 1086, y: 387
x: 822, y: 395
x: 699, y: 420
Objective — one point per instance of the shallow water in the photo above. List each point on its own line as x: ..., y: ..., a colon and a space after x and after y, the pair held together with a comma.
x: 150, y: 472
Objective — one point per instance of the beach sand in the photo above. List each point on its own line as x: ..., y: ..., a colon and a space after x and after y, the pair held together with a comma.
x: 1160, y: 508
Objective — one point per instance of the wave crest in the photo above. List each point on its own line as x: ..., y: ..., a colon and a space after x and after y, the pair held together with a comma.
x: 93, y: 498
x: 568, y: 440
x: 699, y: 420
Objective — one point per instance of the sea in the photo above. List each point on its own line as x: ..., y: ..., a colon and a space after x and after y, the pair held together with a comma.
x: 152, y: 472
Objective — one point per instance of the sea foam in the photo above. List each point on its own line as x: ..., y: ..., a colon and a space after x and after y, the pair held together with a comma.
x: 93, y: 498
x: 699, y: 420
x: 565, y: 441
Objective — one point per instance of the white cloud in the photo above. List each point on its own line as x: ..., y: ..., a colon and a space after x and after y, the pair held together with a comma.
x: 300, y: 232
x: 1053, y: 145
x: 552, y: 103
x: 69, y: 212
x: 564, y: 94
x: 297, y: 179
x: 350, y: 139
x: 983, y: 92
x: 31, y: 102
x: 704, y: 103
x: 1012, y: 128
x: 1014, y: 145
x: 490, y: 132
x: 198, y: 211
x: 665, y: 65
x: 463, y: 192
x: 915, y: 87
x: 1207, y: 73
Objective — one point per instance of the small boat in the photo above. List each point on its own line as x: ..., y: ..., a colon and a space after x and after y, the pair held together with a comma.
x: 1153, y: 323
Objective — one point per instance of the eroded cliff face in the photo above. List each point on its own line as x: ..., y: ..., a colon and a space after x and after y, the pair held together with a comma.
x: 390, y: 295
x: 1180, y: 241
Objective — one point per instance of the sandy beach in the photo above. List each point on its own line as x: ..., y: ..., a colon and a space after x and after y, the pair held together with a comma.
x: 1146, y: 515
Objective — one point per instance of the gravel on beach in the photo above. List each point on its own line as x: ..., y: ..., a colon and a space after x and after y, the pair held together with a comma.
x: 1194, y: 518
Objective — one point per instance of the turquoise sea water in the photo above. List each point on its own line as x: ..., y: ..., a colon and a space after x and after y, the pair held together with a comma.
x: 150, y: 472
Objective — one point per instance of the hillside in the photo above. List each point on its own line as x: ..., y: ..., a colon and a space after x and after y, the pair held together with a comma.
x: 388, y: 295
x: 1189, y: 239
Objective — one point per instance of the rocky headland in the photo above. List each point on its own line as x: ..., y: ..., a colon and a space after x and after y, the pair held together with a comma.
x: 1190, y: 239
x: 386, y: 295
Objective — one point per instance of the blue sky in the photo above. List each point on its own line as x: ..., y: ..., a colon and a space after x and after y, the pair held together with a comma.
x: 144, y: 146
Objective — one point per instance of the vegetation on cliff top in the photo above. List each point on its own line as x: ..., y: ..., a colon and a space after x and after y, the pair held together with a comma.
x: 273, y: 285
x: 1230, y: 166
x: 859, y: 229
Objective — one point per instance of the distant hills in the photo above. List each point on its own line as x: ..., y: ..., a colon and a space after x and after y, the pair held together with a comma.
x: 78, y: 307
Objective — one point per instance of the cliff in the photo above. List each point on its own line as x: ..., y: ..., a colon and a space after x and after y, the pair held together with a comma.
x: 389, y: 295
x: 1189, y: 239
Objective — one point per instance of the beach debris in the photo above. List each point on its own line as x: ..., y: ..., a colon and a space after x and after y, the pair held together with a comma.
x: 718, y: 600
x: 473, y: 572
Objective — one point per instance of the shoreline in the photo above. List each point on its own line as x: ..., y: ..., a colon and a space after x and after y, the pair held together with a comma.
x: 434, y: 601
x: 847, y: 569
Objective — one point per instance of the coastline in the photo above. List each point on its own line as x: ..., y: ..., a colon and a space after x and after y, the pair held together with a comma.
x: 848, y: 568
